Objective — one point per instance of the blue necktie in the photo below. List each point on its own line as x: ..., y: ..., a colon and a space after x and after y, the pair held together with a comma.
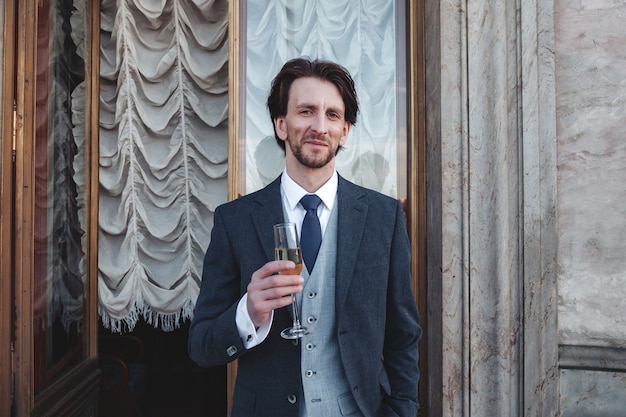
x: 311, y: 238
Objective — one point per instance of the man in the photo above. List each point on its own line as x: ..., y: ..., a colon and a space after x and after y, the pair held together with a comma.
x: 360, y: 357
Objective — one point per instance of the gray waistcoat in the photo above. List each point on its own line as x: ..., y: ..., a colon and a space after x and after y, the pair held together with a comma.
x: 326, y: 389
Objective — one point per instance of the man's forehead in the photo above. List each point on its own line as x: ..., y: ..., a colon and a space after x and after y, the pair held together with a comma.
x: 316, y: 89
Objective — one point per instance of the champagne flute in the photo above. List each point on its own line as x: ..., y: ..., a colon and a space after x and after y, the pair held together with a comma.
x: 287, y: 247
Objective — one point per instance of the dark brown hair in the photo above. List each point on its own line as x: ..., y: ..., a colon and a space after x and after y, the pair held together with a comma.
x: 304, y: 67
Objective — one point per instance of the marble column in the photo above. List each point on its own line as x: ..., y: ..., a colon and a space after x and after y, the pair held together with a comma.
x: 491, y: 187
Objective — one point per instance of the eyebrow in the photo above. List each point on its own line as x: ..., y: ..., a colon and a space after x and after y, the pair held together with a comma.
x: 307, y: 105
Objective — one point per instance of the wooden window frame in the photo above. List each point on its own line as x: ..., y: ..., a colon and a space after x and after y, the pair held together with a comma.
x: 73, y: 389
x: 416, y: 175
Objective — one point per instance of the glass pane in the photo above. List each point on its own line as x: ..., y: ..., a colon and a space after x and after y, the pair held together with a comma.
x: 60, y: 189
x: 365, y: 36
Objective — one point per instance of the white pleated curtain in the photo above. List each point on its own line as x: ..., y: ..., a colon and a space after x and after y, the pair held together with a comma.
x: 164, y: 130
x: 362, y: 35
x: 163, y: 154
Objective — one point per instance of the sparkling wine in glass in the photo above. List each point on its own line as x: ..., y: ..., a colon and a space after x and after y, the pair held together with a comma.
x: 287, y: 247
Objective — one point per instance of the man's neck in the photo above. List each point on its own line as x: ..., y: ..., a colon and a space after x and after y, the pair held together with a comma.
x: 311, y: 179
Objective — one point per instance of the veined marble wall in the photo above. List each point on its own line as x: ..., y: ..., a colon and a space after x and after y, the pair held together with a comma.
x: 491, y: 192
x: 591, y: 130
x: 590, y: 39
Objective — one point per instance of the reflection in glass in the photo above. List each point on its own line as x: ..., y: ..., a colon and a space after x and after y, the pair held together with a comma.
x: 60, y: 179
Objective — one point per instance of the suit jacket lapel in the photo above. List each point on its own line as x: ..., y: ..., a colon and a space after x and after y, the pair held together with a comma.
x: 351, y: 224
x: 269, y: 211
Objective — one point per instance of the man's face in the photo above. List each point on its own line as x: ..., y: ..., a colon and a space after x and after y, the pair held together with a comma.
x: 314, y: 127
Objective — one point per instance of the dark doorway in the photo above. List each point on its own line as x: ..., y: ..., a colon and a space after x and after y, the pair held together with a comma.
x: 170, y: 383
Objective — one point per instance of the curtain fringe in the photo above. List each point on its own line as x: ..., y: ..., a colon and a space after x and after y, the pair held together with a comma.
x: 168, y: 322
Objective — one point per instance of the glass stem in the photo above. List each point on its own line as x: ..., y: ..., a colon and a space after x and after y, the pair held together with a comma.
x: 294, y: 309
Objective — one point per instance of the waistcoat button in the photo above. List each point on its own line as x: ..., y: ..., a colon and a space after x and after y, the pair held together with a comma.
x: 311, y: 319
x: 309, y: 346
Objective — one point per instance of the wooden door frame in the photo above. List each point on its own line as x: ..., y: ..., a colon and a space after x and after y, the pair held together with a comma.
x: 76, y: 390
x: 416, y: 106
x: 22, y: 246
x: 416, y: 181
x: 6, y: 204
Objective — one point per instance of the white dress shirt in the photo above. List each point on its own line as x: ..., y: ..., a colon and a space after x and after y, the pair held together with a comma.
x: 291, y: 193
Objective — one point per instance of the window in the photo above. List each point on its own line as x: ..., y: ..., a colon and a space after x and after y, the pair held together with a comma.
x: 366, y: 37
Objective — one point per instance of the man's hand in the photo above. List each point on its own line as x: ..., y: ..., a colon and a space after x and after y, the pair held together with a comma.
x: 268, y: 291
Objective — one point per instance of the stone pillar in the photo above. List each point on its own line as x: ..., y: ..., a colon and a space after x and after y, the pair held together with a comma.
x: 491, y: 190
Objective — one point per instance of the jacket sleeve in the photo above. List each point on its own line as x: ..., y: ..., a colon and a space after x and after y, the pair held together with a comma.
x: 403, y: 330
x: 213, y: 335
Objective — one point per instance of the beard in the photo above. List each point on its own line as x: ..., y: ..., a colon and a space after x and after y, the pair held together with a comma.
x: 313, y: 160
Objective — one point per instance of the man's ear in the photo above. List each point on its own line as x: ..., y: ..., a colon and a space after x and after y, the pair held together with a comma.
x: 281, y: 127
x: 344, y: 136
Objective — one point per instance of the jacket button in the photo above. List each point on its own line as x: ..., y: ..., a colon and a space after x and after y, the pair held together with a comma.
x: 292, y: 398
x: 231, y: 350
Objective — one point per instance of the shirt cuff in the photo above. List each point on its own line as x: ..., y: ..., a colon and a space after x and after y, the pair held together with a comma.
x: 250, y: 336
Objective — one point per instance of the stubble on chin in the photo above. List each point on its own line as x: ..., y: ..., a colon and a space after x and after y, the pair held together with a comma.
x: 314, y: 161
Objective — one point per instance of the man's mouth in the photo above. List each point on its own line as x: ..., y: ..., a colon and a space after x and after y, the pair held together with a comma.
x: 316, y: 142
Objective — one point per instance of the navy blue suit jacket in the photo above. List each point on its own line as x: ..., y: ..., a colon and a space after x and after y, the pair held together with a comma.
x: 377, y: 320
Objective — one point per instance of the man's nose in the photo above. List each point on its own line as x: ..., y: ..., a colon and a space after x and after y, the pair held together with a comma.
x: 319, y: 123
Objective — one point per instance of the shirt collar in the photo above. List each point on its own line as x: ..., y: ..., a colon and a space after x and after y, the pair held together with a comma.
x: 293, y: 192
